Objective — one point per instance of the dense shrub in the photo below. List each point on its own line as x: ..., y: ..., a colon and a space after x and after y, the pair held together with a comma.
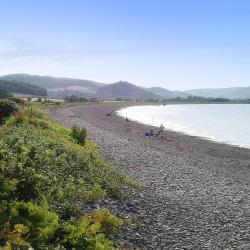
x: 7, y: 108
x: 45, y: 177
x: 79, y: 134
x: 89, y: 232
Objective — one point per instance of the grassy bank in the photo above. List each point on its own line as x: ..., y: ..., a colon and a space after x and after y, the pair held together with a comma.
x: 46, y: 178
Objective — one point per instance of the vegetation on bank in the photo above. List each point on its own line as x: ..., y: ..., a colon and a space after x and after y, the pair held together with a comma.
x: 7, y: 108
x: 48, y: 174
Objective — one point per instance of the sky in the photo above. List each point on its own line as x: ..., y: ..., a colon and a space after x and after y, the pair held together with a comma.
x: 176, y: 44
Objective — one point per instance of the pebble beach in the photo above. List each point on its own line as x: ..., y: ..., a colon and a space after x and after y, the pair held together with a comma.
x: 195, y: 193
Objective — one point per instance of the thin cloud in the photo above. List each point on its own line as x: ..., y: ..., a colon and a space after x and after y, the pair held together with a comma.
x: 23, y: 48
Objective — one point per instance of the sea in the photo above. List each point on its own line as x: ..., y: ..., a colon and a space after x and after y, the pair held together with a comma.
x: 226, y: 123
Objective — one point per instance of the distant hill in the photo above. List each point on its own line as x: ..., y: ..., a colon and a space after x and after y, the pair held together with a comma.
x: 124, y: 90
x: 230, y: 93
x: 61, y: 87
x: 167, y: 94
x: 58, y: 86
x: 8, y: 88
x: 162, y: 92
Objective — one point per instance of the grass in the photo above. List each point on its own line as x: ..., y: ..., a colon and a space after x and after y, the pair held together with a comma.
x: 45, y: 177
x: 79, y: 134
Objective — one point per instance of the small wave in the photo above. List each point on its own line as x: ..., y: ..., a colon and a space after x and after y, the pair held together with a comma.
x: 221, y: 123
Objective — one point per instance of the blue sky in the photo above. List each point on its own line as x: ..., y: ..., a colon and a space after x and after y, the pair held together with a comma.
x: 178, y: 44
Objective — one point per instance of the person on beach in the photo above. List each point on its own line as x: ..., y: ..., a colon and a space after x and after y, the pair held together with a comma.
x: 160, y: 132
x: 151, y: 132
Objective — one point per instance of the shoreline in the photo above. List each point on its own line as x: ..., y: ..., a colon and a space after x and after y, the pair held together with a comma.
x: 180, y: 132
x: 196, y: 193
x: 206, y: 138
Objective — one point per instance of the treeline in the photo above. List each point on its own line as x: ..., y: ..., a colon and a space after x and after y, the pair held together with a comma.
x: 189, y: 99
x: 198, y: 99
x: 7, y: 88
x: 74, y: 98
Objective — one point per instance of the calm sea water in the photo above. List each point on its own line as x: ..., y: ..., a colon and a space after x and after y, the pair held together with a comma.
x: 228, y: 123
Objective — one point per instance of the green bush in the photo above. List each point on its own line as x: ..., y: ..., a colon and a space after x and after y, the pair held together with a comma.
x: 90, y: 231
x: 41, y: 223
x: 79, y: 134
x: 110, y: 223
x: 45, y: 178
x: 7, y: 108
x: 95, y: 194
x: 14, y: 238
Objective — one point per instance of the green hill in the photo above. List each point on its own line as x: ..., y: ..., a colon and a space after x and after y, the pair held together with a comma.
x: 4, y: 93
x: 7, y: 88
x: 124, y: 90
x: 58, y: 86
x: 167, y: 94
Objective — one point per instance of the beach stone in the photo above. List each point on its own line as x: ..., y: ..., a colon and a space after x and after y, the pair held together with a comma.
x: 195, y: 193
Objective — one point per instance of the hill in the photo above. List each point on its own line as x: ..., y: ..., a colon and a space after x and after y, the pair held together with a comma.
x: 167, y: 94
x: 8, y: 88
x: 58, y: 86
x: 164, y: 93
x: 230, y: 93
x: 61, y: 87
x: 4, y: 93
x: 124, y: 90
